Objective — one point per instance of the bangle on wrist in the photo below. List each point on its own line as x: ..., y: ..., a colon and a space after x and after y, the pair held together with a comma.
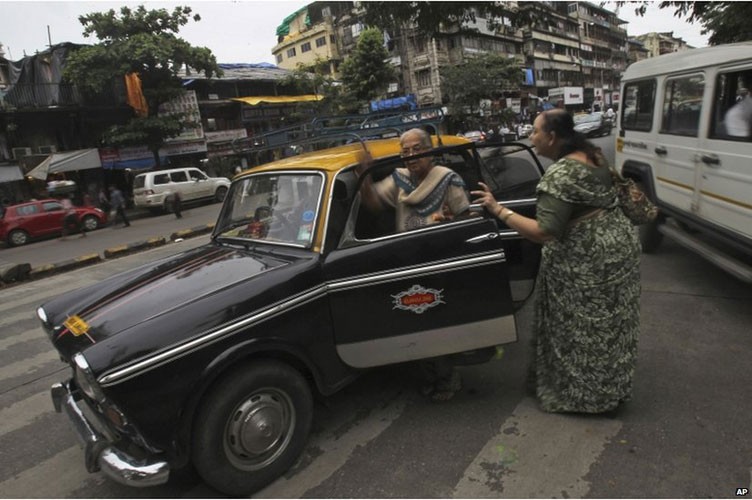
x: 505, y: 216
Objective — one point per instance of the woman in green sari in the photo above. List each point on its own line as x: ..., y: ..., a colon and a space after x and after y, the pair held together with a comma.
x: 587, y: 314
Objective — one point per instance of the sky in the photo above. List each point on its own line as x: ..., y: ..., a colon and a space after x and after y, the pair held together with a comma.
x: 239, y: 31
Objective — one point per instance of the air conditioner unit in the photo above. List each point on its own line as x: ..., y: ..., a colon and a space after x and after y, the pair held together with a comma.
x: 47, y: 150
x: 21, y: 152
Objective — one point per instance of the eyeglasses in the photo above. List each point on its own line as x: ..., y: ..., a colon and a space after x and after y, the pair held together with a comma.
x: 409, y: 151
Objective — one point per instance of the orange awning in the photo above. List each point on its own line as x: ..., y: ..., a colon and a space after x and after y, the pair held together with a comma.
x: 278, y: 99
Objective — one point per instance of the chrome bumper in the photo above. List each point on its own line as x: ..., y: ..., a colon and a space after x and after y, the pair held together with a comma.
x: 100, y: 454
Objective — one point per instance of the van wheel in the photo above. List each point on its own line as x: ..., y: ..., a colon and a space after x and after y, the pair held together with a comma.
x: 220, y: 194
x: 252, y: 427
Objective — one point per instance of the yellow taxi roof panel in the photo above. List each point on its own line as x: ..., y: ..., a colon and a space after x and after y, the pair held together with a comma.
x: 336, y: 158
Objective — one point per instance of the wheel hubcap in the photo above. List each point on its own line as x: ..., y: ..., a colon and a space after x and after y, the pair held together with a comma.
x: 259, y: 429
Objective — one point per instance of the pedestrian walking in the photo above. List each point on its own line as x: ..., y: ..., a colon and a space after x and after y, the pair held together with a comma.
x: 71, y: 223
x: 118, y: 203
x: 177, y: 205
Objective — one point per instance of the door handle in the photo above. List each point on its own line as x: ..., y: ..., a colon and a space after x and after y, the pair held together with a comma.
x: 710, y: 159
x: 661, y: 151
x: 482, y: 238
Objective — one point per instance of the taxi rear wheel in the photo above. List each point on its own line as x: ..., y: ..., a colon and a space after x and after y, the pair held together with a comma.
x: 252, y: 427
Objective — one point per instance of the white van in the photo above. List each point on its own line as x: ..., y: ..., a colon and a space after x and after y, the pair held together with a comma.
x: 684, y: 133
x: 154, y: 190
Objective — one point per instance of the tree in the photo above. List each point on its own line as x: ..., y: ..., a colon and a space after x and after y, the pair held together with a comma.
x: 726, y: 22
x: 430, y: 17
x: 485, y: 76
x: 366, y: 73
x: 315, y: 78
x: 144, y: 43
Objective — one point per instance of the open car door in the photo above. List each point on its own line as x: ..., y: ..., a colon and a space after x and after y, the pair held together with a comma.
x: 437, y: 290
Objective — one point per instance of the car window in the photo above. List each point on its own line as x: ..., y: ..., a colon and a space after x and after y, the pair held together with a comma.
x: 179, y: 176
x: 160, y: 179
x: 139, y: 181
x: 682, y: 103
x: 51, y: 206
x: 279, y: 208
x: 732, y: 106
x: 639, y: 99
x: 27, y: 210
x: 196, y: 175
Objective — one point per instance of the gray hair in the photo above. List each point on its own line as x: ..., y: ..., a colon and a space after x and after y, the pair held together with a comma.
x: 423, y: 136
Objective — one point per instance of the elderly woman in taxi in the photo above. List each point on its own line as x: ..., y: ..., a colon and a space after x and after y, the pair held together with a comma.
x: 587, y: 314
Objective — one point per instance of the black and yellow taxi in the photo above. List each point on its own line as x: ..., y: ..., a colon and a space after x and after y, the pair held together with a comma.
x: 212, y: 357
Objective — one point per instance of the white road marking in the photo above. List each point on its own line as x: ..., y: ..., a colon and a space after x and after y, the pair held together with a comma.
x: 12, y: 340
x: 28, y: 365
x: 24, y: 412
x: 537, y: 455
x: 336, y: 451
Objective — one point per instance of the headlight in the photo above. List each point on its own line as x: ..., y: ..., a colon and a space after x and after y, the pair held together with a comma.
x: 85, y: 379
x: 42, y: 315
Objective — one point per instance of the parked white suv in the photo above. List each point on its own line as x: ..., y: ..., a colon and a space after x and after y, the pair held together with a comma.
x: 684, y: 133
x: 154, y: 190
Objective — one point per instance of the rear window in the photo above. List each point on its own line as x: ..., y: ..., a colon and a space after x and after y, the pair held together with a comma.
x: 139, y: 181
x: 639, y: 98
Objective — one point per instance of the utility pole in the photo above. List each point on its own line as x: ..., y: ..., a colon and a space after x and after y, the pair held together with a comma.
x: 49, y: 37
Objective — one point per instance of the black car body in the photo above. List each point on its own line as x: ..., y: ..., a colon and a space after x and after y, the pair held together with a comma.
x: 211, y: 356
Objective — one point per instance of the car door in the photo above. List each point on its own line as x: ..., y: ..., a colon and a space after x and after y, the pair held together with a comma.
x: 50, y: 219
x: 201, y: 186
x: 180, y: 183
x: 440, y: 289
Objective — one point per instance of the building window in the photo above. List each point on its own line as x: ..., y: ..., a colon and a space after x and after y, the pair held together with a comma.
x: 332, y: 39
x: 305, y: 47
x: 291, y: 52
x: 424, y: 78
x: 279, y: 57
x: 320, y: 42
x: 356, y: 29
x: 326, y: 12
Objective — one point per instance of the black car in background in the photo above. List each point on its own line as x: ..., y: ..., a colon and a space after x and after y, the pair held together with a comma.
x: 211, y: 357
x: 594, y: 124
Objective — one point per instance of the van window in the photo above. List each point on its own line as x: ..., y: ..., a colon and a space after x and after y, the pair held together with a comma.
x: 179, y: 176
x: 732, y: 106
x: 161, y: 179
x: 197, y: 175
x: 639, y: 98
x: 139, y: 182
x: 682, y: 103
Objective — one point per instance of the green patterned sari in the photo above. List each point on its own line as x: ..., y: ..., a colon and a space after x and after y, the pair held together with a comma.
x: 587, y: 315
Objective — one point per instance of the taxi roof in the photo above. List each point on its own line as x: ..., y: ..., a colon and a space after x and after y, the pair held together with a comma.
x: 339, y: 157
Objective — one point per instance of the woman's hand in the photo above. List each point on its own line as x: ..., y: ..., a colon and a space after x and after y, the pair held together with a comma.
x: 486, y: 199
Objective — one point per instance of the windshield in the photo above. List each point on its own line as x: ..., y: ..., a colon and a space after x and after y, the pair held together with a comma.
x: 280, y: 208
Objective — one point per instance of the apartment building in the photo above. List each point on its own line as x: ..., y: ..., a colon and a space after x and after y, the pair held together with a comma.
x: 658, y: 44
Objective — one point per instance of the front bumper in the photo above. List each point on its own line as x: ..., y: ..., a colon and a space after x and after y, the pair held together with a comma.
x: 99, y: 452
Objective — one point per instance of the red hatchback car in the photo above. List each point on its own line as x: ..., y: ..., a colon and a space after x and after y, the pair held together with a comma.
x: 34, y: 219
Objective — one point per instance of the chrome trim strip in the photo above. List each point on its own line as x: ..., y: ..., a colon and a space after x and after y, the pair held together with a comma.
x: 416, y: 271
x: 153, y: 361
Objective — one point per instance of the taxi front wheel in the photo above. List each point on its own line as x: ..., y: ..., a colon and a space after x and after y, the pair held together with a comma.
x: 252, y: 427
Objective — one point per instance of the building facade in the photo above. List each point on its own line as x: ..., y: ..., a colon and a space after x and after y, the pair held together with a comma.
x: 658, y: 44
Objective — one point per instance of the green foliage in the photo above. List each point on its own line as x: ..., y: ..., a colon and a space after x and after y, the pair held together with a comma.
x: 486, y: 76
x: 725, y: 22
x: 365, y: 73
x: 144, y: 42
x: 430, y: 17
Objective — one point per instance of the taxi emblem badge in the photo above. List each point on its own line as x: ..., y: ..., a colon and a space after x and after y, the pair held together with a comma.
x: 418, y: 299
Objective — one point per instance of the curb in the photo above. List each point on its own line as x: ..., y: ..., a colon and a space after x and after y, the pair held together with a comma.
x: 133, y: 247
x: 13, y: 273
x: 65, y: 265
x: 194, y: 231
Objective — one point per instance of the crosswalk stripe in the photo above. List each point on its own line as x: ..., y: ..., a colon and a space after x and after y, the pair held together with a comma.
x: 12, y: 319
x: 28, y: 365
x: 67, y: 469
x: 23, y: 412
x: 18, y: 338
x: 34, y: 296
x: 537, y: 455
x: 336, y: 451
